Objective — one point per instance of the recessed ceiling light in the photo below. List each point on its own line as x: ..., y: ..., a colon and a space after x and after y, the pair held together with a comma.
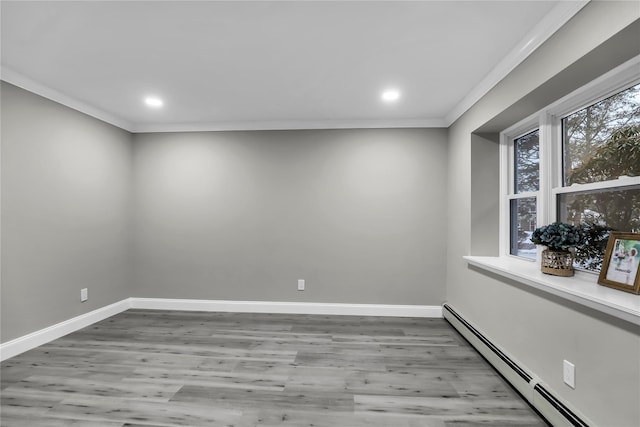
x: 390, y: 95
x: 153, y: 101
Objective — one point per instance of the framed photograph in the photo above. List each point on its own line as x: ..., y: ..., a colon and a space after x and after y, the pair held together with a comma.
x: 620, y: 267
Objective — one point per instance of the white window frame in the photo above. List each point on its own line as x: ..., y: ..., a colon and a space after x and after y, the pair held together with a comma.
x: 507, y: 181
x: 548, y: 121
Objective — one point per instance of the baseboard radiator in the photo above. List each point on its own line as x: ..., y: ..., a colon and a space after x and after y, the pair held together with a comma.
x: 549, y: 406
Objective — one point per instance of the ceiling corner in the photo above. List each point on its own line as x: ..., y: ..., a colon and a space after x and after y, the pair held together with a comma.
x: 10, y: 76
x: 552, y: 22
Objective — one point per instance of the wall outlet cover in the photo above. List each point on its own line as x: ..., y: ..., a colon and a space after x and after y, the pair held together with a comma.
x: 84, y: 294
x: 569, y: 373
x: 301, y: 284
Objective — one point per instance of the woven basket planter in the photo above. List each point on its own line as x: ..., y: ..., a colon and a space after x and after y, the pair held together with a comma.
x: 557, y: 263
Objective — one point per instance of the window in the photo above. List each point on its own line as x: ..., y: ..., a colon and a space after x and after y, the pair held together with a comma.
x: 600, y: 141
x: 523, y: 194
x: 577, y: 161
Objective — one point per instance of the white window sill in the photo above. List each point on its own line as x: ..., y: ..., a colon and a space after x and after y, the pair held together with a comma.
x: 582, y: 288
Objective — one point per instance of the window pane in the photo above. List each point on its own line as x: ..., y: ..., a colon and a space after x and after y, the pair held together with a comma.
x: 602, y: 142
x: 600, y: 211
x: 527, y: 161
x: 523, y: 222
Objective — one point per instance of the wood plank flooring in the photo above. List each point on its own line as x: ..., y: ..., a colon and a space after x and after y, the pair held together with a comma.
x: 167, y: 368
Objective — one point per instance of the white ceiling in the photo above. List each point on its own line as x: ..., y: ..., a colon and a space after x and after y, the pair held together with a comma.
x: 271, y: 64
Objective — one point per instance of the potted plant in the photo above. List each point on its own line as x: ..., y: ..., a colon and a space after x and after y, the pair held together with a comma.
x: 559, y: 238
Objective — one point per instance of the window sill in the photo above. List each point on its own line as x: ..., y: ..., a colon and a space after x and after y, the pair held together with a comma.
x: 582, y: 289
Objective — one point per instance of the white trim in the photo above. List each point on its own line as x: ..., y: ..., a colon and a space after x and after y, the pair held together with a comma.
x: 531, y: 194
x: 17, y: 79
x: 504, y: 244
x: 507, y: 180
x: 547, y: 170
x: 43, y: 336
x: 431, y: 311
x: 551, y: 23
x: 581, y: 289
x: 621, y: 182
x: 288, y: 125
x: 547, y: 120
x: 554, y: 166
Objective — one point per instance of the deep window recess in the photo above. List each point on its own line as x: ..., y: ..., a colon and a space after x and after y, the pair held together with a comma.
x: 581, y: 165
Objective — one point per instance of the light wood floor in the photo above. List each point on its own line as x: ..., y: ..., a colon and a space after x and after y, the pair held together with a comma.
x: 161, y: 368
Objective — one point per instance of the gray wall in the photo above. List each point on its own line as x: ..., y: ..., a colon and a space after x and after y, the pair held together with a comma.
x: 539, y: 330
x: 65, y: 189
x: 358, y: 214
x: 226, y: 215
x: 362, y: 215
x: 485, y: 187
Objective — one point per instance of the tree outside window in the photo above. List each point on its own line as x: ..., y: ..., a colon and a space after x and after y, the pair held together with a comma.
x: 602, y: 143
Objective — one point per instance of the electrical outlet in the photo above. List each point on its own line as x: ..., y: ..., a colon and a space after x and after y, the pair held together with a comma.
x: 84, y: 294
x: 569, y: 373
x: 301, y: 284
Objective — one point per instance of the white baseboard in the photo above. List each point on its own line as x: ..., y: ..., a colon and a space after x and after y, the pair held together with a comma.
x: 288, y: 307
x: 43, y: 336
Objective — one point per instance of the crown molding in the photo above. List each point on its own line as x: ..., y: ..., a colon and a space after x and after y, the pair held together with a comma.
x: 17, y: 79
x: 10, y: 76
x: 288, y: 125
x: 552, y: 22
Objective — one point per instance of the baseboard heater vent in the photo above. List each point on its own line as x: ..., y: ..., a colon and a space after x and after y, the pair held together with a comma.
x: 521, y: 372
x: 557, y: 413
x: 572, y: 418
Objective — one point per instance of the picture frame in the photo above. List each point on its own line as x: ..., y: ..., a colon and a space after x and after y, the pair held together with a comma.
x: 621, y: 265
